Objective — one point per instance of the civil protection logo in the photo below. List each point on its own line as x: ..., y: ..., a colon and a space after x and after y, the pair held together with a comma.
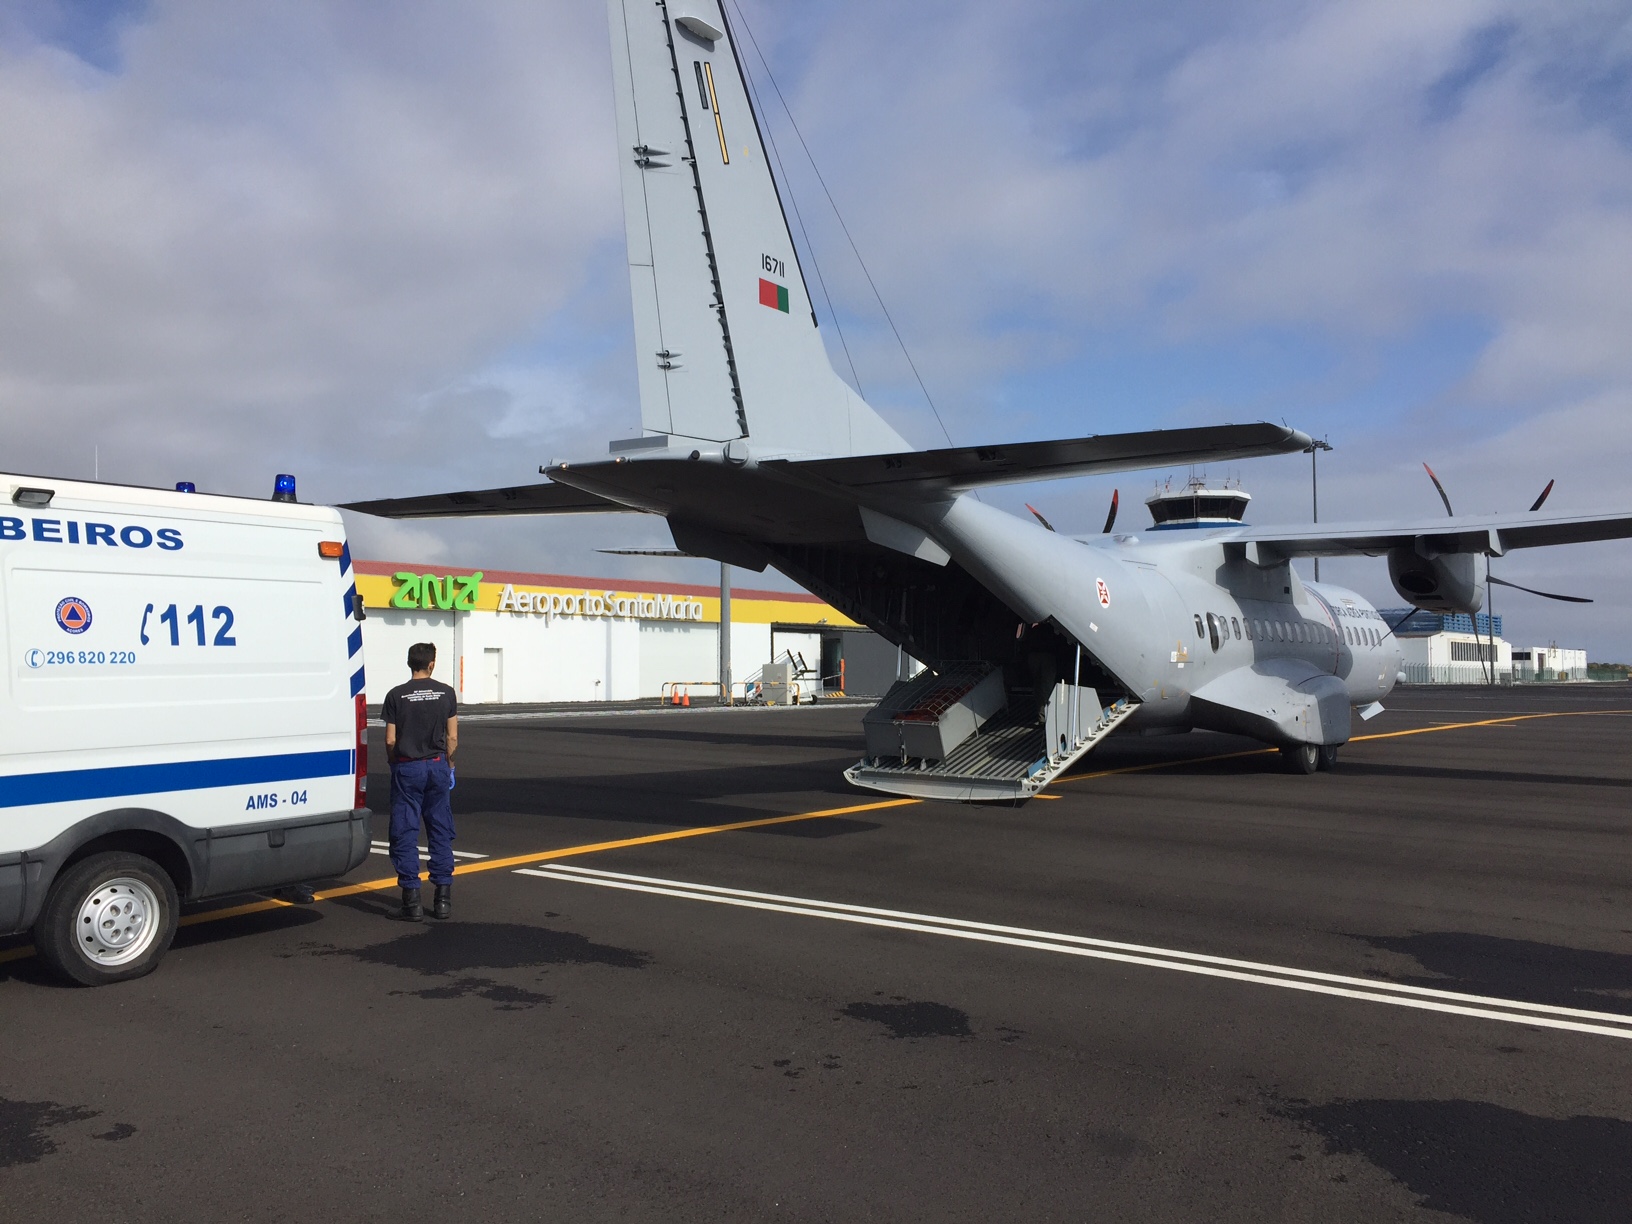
x: 74, y: 615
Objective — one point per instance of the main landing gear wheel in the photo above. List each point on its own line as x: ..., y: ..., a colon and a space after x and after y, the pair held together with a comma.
x: 1302, y: 758
x: 1328, y: 757
x: 107, y: 919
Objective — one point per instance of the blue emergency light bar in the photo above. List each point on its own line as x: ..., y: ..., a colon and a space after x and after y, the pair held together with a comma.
x: 186, y: 486
x: 283, y: 489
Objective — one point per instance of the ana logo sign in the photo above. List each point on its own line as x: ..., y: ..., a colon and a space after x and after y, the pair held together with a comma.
x: 449, y: 591
x: 74, y: 615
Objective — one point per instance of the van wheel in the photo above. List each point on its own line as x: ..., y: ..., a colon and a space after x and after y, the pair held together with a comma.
x: 1301, y: 758
x: 107, y: 919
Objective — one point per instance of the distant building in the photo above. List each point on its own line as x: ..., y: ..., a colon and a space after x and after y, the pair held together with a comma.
x: 514, y: 637
x: 1449, y: 647
x: 1455, y: 648
x: 1549, y: 663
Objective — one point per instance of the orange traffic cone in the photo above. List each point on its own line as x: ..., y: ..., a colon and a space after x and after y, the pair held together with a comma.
x: 674, y: 695
x: 685, y: 699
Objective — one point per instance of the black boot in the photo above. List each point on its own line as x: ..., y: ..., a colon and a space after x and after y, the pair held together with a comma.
x: 442, y: 907
x: 412, y: 911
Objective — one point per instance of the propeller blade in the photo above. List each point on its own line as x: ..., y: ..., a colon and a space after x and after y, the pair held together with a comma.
x: 1533, y: 591
x: 1542, y: 498
x: 1037, y: 514
x: 1110, y: 519
x: 1441, y: 489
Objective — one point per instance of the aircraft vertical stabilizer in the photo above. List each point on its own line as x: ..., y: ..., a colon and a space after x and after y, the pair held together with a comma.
x: 726, y: 341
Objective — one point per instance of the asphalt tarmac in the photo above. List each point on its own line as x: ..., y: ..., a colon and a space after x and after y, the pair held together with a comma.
x: 1191, y: 987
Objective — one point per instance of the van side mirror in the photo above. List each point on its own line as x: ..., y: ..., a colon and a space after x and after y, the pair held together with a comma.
x: 357, y: 606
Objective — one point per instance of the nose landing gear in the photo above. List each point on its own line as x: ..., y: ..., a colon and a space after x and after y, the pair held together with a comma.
x: 1307, y: 758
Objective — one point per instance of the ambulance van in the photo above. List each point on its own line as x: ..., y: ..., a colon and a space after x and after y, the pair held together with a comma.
x: 182, y: 715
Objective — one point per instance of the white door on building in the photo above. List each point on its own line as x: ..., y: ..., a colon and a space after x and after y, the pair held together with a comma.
x: 492, y: 675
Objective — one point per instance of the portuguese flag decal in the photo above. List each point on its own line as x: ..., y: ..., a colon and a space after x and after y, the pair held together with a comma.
x: 773, y: 295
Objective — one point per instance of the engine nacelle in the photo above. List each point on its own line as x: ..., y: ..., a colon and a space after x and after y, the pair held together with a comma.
x: 1454, y: 582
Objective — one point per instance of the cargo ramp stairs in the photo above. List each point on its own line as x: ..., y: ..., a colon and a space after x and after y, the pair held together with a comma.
x: 962, y: 735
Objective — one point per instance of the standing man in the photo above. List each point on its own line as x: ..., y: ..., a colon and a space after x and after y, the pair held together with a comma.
x: 421, y: 736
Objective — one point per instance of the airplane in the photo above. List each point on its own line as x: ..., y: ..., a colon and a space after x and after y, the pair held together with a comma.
x: 1036, y: 644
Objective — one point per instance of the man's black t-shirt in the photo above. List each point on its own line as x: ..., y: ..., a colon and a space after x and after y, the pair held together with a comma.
x: 420, y: 709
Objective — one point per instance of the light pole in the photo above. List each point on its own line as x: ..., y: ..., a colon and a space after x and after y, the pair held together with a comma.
x: 1313, y: 451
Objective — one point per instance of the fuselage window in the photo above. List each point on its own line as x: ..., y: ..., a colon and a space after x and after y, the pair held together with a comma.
x: 1212, y: 629
x: 1348, y: 634
x: 1200, y: 632
x: 1235, y: 628
x: 1280, y: 631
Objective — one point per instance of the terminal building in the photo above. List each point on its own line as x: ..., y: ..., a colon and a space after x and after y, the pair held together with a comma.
x: 1455, y: 648
x: 505, y: 637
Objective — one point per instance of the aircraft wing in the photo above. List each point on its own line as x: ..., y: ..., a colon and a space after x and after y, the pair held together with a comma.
x: 1481, y: 533
x: 547, y: 498
x: 967, y: 467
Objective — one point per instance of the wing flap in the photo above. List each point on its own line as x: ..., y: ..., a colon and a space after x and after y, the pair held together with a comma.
x: 547, y: 498
x: 967, y: 467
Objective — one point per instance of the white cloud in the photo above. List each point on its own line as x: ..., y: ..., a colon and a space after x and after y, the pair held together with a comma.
x: 381, y: 247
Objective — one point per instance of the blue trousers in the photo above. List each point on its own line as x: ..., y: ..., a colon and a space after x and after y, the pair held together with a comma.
x: 420, y: 791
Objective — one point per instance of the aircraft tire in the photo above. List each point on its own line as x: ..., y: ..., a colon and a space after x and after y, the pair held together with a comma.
x: 1301, y: 758
x: 1328, y: 757
x: 107, y: 919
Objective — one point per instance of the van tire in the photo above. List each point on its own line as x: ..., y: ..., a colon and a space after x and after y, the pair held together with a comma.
x: 108, y: 918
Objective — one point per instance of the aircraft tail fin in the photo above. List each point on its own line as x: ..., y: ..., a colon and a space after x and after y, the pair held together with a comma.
x: 726, y: 340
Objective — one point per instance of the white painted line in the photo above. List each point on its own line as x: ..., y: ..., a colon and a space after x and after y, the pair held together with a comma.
x: 381, y: 847
x: 1513, y: 1011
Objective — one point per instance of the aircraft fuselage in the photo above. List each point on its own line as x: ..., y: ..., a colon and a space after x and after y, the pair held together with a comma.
x: 1181, y: 615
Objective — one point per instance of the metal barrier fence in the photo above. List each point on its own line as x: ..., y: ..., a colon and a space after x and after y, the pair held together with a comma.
x: 1473, y: 673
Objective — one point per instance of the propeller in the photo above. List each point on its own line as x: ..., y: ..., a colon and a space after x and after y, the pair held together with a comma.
x: 1532, y: 590
x: 1490, y: 577
x: 1446, y: 500
x: 1110, y: 519
x: 1038, y: 515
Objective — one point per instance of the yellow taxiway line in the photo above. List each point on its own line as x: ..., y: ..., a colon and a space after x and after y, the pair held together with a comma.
x: 522, y: 860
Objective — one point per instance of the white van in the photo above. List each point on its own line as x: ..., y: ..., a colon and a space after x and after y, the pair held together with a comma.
x: 182, y: 715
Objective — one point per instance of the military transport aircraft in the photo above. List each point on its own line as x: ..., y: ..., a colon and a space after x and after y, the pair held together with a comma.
x: 1037, y: 644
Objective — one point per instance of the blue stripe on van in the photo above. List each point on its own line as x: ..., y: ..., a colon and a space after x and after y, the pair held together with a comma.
x: 355, y: 642
x: 356, y: 682
x: 19, y: 790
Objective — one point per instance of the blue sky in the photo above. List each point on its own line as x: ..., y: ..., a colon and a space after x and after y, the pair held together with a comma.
x: 380, y: 245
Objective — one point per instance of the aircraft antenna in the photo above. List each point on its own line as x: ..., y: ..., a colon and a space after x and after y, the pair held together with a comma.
x: 840, y: 218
